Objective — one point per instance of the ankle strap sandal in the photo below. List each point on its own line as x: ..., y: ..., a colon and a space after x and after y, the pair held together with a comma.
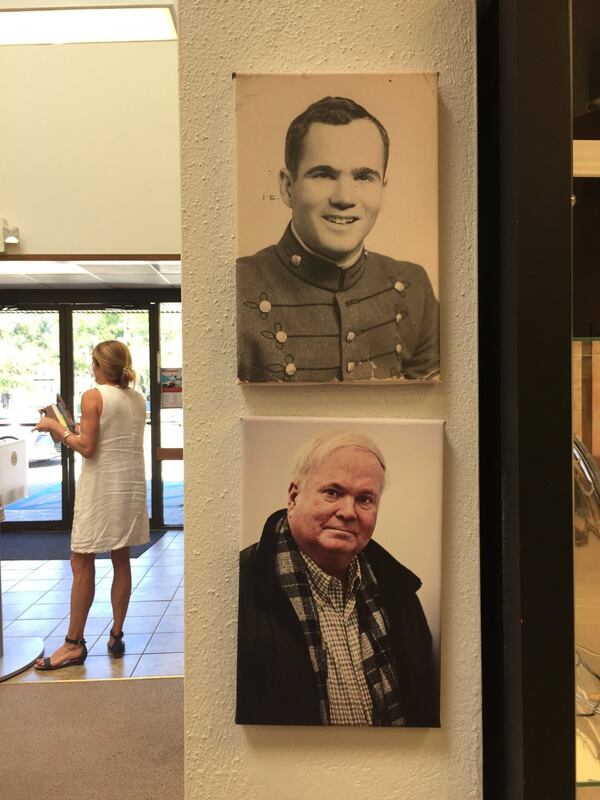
x: 81, y: 642
x: 117, y: 648
x: 46, y: 664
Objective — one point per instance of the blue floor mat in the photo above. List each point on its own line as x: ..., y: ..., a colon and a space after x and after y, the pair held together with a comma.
x: 44, y: 503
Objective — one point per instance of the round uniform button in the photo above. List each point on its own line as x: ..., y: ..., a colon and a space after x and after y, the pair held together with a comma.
x: 398, y: 317
x: 399, y: 286
x: 350, y: 336
x: 290, y: 369
x: 398, y: 348
x: 296, y: 260
x: 281, y: 336
x: 264, y: 306
x: 350, y: 366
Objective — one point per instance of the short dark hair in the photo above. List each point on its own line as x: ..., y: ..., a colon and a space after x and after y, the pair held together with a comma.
x: 330, y: 111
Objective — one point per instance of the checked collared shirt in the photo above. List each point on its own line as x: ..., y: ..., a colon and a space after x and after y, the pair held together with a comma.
x: 349, y: 699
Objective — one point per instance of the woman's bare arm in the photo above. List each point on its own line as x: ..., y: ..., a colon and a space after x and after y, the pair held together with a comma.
x: 86, y: 441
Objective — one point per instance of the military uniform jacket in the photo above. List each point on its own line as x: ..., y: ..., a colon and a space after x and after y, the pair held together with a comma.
x: 301, y: 318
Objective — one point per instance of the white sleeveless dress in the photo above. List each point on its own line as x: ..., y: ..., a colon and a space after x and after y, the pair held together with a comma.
x: 110, y: 501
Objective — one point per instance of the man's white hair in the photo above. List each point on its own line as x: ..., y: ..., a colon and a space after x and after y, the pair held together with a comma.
x: 320, y: 447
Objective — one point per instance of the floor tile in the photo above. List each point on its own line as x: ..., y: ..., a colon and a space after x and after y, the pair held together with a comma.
x: 93, y: 627
x: 95, y: 667
x: 153, y: 593
x: 52, y: 643
x: 100, y: 609
x: 159, y: 664
x: 52, y: 569
x: 64, y: 583
x: 104, y: 583
x: 139, y: 572
x: 46, y: 611
x: 29, y: 585
x: 146, y: 609
x: 33, y: 675
x: 11, y: 574
x: 138, y: 625
x: 36, y: 602
x: 31, y: 627
x: 171, y: 623
x: 160, y: 580
x: 165, y: 643
x: 106, y: 667
x: 134, y: 643
x: 12, y: 612
x: 14, y: 598
x: 101, y: 595
x: 169, y: 560
x: 57, y: 596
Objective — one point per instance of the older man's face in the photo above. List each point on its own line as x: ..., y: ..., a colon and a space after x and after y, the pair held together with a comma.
x: 332, y: 512
x: 336, y: 196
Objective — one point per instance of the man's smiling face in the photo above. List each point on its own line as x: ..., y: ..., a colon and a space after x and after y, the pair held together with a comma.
x: 332, y: 511
x: 336, y: 195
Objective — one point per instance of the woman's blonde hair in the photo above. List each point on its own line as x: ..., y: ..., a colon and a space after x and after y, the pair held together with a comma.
x: 114, y: 359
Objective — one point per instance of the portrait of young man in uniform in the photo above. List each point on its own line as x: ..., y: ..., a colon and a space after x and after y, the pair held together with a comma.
x: 333, y: 628
x: 319, y: 305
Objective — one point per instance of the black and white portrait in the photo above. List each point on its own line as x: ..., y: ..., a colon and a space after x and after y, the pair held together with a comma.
x: 337, y: 236
x: 340, y: 565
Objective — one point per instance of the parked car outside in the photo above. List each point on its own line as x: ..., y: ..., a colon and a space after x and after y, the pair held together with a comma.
x: 40, y: 447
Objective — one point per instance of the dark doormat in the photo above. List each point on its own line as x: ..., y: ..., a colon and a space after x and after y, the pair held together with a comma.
x: 53, y: 545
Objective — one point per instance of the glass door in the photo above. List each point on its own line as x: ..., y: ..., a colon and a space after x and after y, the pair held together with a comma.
x: 47, y: 351
x: 91, y: 326
x: 30, y: 378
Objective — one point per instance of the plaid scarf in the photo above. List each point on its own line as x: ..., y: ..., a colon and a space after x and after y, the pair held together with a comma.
x: 376, y: 652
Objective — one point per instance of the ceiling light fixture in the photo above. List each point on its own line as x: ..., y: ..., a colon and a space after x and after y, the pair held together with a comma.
x: 87, y: 25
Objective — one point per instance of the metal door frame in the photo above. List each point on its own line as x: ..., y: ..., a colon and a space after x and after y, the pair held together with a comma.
x: 65, y: 302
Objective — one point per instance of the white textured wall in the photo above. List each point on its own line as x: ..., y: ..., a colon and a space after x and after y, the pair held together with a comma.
x: 224, y: 761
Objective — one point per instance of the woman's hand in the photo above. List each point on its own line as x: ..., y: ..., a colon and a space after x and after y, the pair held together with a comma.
x: 47, y: 424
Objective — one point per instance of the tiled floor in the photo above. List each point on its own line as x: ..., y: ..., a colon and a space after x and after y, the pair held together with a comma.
x: 35, y: 602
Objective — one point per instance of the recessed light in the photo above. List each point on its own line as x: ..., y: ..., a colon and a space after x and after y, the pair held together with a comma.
x: 86, y: 25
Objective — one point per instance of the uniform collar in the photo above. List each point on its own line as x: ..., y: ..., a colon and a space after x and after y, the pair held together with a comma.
x: 315, y: 270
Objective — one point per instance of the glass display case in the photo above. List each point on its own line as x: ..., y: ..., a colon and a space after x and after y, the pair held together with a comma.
x: 586, y: 538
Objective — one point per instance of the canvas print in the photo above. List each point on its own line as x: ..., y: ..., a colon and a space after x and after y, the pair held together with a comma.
x: 337, y: 234
x: 340, y: 569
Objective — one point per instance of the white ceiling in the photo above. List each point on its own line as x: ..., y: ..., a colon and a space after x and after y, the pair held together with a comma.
x: 90, y: 274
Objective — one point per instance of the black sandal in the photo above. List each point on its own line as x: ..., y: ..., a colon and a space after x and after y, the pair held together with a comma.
x: 117, y: 648
x: 70, y: 662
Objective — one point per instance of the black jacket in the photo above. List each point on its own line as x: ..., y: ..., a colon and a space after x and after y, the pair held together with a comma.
x: 276, y: 684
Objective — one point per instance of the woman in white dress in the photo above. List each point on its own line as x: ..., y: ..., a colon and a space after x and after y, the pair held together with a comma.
x: 110, y: 503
